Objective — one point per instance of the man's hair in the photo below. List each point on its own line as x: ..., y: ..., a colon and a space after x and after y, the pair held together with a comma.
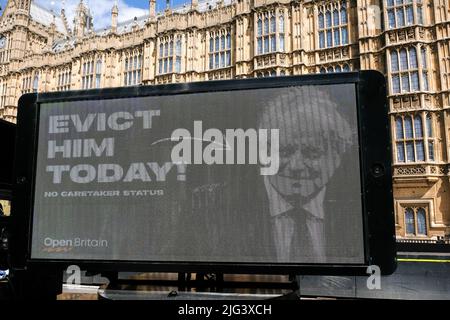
x: 314, y: 109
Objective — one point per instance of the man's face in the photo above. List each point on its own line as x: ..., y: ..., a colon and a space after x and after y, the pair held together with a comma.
x: 307, y: 155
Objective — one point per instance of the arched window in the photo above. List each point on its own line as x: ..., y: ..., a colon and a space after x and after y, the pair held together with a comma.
x: 333, y: 29
x: 216, y: 60
x: 394, y: 61
x: 412, y: 58
x: 161, y: 48
x: 259, y: 27
x: 170, y: 65
x: 222, y: 60
x: 321, y: 40
x: 328, y: 19
x: 410, y: 139
x: 410, y: 155
x: 329, y: 38
x: 266, y: 25
x: 401, y: 13
x: 418, y: 135
x: 399, y: 128
x: 321, y: 21
x: 36, y: 83
x: 338, y: 69
x: 399, y: 136
x: 220, y: 56
x: 343, y: 14
x: 133, y: 71
x: 423, y: 53
x: 409, y: 15
x: 413, y: 65
x: 426, y: 84
x: 336, y: 17
x: 421, y: 222
x: 418, y: 127
x: 170, y: 57
x: 178, y: 64
x: 410, y: 221
x: 323, y: 70
x: 419, y: 13
x: 391, y: 19
x: 429, y: 124
x: 400, y: 153
x: 273, y: 23
x: 89, y: 76
x: 396, y: 84
x: 178, y: 48
x: 281, y: 23
x: 408, y: 128
x: 415, y: 221
x: 405, y: 83
x: 98, y: 73
x: 337, y: 36
x: 171, y: 48
x: 99, y: 66
x: 330, y: 70
x: 260, y: 47
x: 346, y: 68
x: 403, y: 59
x: 281, y: 42
x: 404, y: 71
x: 178, y: 56
x: 344, y: 35
x: 211, y: 44
x: 217, y: 42
x: 266, y: 44
x: 63, y: 80
x: 271, y: 37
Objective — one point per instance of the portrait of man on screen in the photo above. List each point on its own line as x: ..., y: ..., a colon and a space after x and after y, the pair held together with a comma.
x: 313, y: 138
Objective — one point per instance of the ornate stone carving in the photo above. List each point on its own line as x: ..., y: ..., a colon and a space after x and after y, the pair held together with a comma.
x: 410, y: 170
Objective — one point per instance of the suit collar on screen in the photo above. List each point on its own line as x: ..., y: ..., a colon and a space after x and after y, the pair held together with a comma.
x: 278, y: 205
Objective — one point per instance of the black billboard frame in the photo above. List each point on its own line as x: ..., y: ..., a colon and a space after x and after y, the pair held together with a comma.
x: 375, y: 159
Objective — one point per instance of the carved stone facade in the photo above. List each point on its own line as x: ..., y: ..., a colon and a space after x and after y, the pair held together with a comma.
x: 407, y: 40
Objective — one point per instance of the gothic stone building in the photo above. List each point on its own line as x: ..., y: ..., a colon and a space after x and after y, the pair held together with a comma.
x: 407, y: 40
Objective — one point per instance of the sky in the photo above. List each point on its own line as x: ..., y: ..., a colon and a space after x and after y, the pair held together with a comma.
x: 101, y: 9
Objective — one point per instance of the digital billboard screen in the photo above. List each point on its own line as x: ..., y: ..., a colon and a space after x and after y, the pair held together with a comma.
x: 260, y: 175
